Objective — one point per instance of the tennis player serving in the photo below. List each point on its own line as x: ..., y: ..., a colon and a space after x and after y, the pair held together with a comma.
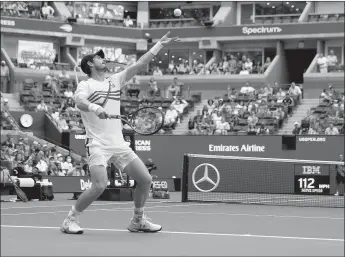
x: 98, y: 98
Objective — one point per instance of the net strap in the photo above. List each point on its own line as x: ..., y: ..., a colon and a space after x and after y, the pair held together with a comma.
x: 264, y: 159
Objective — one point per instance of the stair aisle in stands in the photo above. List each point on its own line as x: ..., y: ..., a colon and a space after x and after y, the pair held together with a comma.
x: 13, y: 103
x: 182, y: 127
x: 299, y: 113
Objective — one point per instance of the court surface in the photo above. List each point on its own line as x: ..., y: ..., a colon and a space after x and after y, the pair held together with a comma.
x: 192, y: 229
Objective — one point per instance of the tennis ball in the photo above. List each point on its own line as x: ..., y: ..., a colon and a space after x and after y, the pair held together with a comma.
x: 177, y: 12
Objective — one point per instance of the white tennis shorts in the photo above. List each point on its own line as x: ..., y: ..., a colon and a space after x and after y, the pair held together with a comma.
x: 120, y: 155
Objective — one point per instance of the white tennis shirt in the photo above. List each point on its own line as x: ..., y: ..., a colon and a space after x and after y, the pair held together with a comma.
x: 108, y: 132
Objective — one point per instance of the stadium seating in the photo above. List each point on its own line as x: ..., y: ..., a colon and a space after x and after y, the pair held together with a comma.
x: 330, y: 110
x: 56, y: 103
x: 235, y: 108
x: 30, y: 157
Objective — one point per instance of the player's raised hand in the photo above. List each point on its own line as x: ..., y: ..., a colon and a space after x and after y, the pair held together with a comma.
x: 166, y: 39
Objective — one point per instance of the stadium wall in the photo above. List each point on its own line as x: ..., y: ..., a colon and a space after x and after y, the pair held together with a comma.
x: 167, y: 151
x: 37, y: 127
x: 10, y: 42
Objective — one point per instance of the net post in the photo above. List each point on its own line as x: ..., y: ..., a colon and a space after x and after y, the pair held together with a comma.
x: 185, y: 178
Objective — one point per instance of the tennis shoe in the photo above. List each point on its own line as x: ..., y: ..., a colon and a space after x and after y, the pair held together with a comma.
x: 71, y: 226
x: 144, y: 225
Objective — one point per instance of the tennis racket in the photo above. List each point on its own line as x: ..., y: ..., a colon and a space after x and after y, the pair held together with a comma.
x: 22, y: 196
x: 145, y: 121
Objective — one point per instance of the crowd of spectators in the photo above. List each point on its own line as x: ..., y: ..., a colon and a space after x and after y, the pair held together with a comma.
x: 328, y: 63
x: 54, y: 97
x: 35, y: 10
x: 229, y: 65
x: 34, y: 158
x: 101, y: 13
x: 249, y: 111
x: 327, y: 118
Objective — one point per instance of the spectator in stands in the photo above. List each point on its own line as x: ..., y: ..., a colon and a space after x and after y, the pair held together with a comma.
x: 68, y: 93
x: 133, y: 88
x: 69, y: 107
x: 175, y: 88
x: 295, y: 91
x: 252, y: 119
x: 232, y: 65
x: 263, y: 130
x: 222, y: 127
x: 62, y: 124
x: 157, y: 72
x: 312, y: 131
x: 275, y: 88
x: 297, y: 129
x: 224, y: 64
x: 214, y: 69
x: 248, y: 66
x: 70, y: 8
x: 193, y: 123
x: 280, y: 95
x: 51, y: 81
x: 42, y: 107
x: 247, y: 89
x: 28, y: 166
x: 67, y: 165
x: 35, y: 14
x: 128, y: 22
x: 266, y: 65
x: 36, y: 92
x: 322, y: 63
x: 257, y: 66
x: 47, y: 11
x: 332, y: 61
x: 63, y: 77
x: 325, y: 97
x: 152, y: 89
x: 5, y: 77
x: 171, y: 117
x: 251, y: 129
x: 331, y: 130
x: 171, y: 66
x: 179, y: 105
x: 41, y: 165
x: 288, y: 103
x: 4, y: 104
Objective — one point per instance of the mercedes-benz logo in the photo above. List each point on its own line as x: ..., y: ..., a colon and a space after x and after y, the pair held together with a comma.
x: 205, y: 177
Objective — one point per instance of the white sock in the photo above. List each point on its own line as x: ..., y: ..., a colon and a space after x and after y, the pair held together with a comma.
x: 138, y: 214
x: 73, y: 212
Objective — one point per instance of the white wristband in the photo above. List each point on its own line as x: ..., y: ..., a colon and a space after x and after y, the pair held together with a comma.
x: 156, y: 48
x: 93, y: 107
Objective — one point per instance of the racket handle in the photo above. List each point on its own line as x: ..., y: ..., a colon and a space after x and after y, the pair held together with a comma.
x: 115, y: 116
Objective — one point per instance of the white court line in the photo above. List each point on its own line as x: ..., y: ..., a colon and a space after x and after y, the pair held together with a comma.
x: 94, y: 210
x: 195, y: 233
x: 192, y: 213
x: 94, y: 204
x: 247, y: 214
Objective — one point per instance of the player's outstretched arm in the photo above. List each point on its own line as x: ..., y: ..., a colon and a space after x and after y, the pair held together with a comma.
x: 132, y: 70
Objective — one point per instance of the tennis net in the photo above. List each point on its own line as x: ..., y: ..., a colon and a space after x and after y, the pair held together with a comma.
x: 268, y: 181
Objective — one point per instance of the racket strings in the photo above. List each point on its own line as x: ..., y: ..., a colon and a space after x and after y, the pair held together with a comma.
x: 147, y: 120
